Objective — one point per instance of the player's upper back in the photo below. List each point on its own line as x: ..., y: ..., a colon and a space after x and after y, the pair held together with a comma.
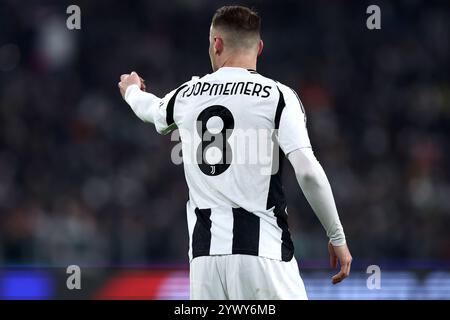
x: 243, y: 92
x: 226, y: 121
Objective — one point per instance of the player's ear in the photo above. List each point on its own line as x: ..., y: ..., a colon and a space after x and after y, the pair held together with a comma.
x: 218, y: 45
x: 260, y: 47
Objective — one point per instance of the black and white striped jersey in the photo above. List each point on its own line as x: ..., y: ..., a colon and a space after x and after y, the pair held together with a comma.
x: 234, y: 126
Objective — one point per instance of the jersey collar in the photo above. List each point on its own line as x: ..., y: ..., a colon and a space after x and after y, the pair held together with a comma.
x: 236, y: 69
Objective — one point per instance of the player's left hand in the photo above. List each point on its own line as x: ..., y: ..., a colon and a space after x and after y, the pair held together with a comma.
x: 127, y: 80
x: 341, y: 254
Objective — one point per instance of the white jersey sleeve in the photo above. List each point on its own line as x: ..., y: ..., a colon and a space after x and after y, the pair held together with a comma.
x: 150, y: 108
x: 315, y: 186
x: 292, y: 133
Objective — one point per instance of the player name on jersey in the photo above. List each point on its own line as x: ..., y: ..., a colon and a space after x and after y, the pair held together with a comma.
x: 248, y: 88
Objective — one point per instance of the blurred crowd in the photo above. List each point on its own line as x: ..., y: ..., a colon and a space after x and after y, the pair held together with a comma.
x: 82, y: 180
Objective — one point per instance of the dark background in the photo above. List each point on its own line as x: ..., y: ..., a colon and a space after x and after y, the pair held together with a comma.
x: 83, y: 181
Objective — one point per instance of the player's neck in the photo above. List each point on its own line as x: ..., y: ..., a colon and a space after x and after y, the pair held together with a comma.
x: 240, y: 62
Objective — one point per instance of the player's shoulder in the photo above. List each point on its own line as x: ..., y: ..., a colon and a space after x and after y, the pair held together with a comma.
x: 286, y: 90
x: 195, y: 79
x: 181, y: 89
x: 289, y: 94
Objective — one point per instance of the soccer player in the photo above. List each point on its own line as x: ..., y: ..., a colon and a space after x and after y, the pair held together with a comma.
x: 239, y: 242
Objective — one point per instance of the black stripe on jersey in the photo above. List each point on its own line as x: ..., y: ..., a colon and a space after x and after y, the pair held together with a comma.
x: 245, y: 232
x: 201, y: 236
x: 171, y: 105
x: 280, y: 106
x: 277, y: 201
x: 276, y: 198
x: 287, y: 246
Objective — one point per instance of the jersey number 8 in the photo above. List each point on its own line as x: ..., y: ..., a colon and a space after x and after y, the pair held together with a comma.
x: 214, y: 126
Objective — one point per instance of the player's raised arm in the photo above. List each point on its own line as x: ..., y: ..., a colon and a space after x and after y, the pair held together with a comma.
x: 147, y: 106
x: 294, y: 140
x: 142, y: 103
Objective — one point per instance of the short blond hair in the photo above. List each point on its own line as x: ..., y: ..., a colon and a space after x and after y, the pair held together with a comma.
x: 242, y: 24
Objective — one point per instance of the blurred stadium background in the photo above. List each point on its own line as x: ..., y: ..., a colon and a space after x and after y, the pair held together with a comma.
x: 83, y: 181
